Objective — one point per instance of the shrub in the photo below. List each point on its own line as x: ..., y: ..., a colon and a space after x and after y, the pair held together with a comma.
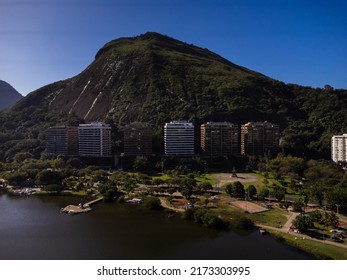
x: 153, y: 203
x: 243, y: 223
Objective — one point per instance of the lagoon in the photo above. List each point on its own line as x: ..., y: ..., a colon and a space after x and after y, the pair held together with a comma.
x: 32, y: 228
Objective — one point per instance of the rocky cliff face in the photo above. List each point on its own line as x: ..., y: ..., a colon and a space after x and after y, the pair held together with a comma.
x: 135, y: 79
x: 8, y: 95
x: 154, y: 78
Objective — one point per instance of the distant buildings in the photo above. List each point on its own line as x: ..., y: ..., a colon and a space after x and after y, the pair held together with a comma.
x: 259, y: 138
x: 179, y: 138
x: 219, y: 139
x: 62, y: 140
x: 339, y: 148
x: 94, y: 140
x: 137, y: 140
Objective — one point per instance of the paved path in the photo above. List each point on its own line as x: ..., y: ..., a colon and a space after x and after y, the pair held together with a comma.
x: 287, y: 225
x: 165, y: 204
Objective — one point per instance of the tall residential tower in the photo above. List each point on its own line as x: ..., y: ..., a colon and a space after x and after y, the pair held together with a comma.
x: 137, y: 139
x: 339, y: 148
x: 94, y: 140
x: 220, y: 139
x: 179, y: 138
x: 62, y: 140
x: 259, y: 138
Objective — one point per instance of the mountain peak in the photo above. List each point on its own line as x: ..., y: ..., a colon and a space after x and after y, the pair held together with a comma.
x: 151, y: 35
x: 148, y: 37
x: 8, y: 95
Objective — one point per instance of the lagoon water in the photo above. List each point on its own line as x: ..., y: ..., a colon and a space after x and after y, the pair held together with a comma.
x: 34, y: 228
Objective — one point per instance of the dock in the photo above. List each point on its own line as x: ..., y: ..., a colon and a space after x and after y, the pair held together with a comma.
x: 81, y: 208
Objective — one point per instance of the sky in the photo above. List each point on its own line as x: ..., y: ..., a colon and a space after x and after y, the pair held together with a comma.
x: 294, y: 41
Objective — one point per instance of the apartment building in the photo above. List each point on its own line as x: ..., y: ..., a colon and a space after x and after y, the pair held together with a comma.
x: 219, y: 139
x: 259, y: 138
x: 179, y: 138
x: 137, y: 139
x: 339, y: 148
x: 94, y: 140
x: 62, y: 140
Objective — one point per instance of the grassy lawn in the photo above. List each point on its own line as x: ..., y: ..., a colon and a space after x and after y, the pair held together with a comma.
x: 274, y: 217
x: 320, y: 250
x: 200, y: 179
x: 207, y: 178
x: 261, y: 180
x: 163, y: 177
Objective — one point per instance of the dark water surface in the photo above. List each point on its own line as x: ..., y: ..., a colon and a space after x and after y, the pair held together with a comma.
x: 34, y: 228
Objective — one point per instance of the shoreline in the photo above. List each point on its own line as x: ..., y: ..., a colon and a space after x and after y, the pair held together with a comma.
x: 300, y: 241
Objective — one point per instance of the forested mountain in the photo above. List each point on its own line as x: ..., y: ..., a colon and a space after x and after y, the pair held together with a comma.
x: 8, y: 95
x: 154, y: 78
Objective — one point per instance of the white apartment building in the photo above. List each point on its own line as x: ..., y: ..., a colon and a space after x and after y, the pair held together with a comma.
x: 339, y: 148
x: 94, y: 140
x: 179, y: 138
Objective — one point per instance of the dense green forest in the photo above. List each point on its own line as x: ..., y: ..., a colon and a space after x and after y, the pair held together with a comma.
x: 154, y: 78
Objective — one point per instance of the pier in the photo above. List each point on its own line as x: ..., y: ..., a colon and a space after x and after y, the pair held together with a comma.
x: 81, y: 208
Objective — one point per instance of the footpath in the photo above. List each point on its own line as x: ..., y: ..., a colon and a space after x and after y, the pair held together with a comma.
x: 286, y: 229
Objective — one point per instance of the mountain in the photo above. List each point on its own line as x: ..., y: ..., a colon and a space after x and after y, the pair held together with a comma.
x: 154, y: 78
x: 8, y: 95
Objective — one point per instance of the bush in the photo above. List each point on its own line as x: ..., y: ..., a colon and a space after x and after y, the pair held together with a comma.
x: 153, y: 203
x: 202, y: 216
x: 243, y: 223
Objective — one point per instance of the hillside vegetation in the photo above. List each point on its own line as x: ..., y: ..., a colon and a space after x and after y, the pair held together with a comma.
x: 155, y: 78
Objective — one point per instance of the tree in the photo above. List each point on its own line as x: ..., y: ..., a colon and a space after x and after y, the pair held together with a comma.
x: 279, y: 194
x: 16, y: 178
x: 303, y: 222
x: 316, y: 216
x: 235, y: 189
x: 108, y: 191
x: 337, y: 196
x: 187, y: 185
x: 263, y: 193
x: 47, y: 177
x: 129, y: 185
x: 205, y: 186
x: 251, y: 191
x: 330, y: 219
x: 100, y: 175
x: 20, y: 157
x: 153, y: 203
x: 298, y: 205
x: 157, y: 181
x: 74, y: 162
x: 243, y: 223
x: 141, y: 164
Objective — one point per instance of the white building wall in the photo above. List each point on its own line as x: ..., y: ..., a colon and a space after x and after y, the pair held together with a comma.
x: 94, y: 140
x: 339, y: 148
x: 179, y: 138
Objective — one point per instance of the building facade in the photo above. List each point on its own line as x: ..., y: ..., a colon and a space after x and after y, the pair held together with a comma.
x: 137, y: 139
x: 339, y: 148
x: 94, y: 140
x: 219, y: 139
x: 259, y: 138
x: 62, y: 140
x: 179, y: 138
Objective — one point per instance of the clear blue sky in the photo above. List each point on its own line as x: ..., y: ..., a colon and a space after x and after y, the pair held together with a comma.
x: 295, y: 41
